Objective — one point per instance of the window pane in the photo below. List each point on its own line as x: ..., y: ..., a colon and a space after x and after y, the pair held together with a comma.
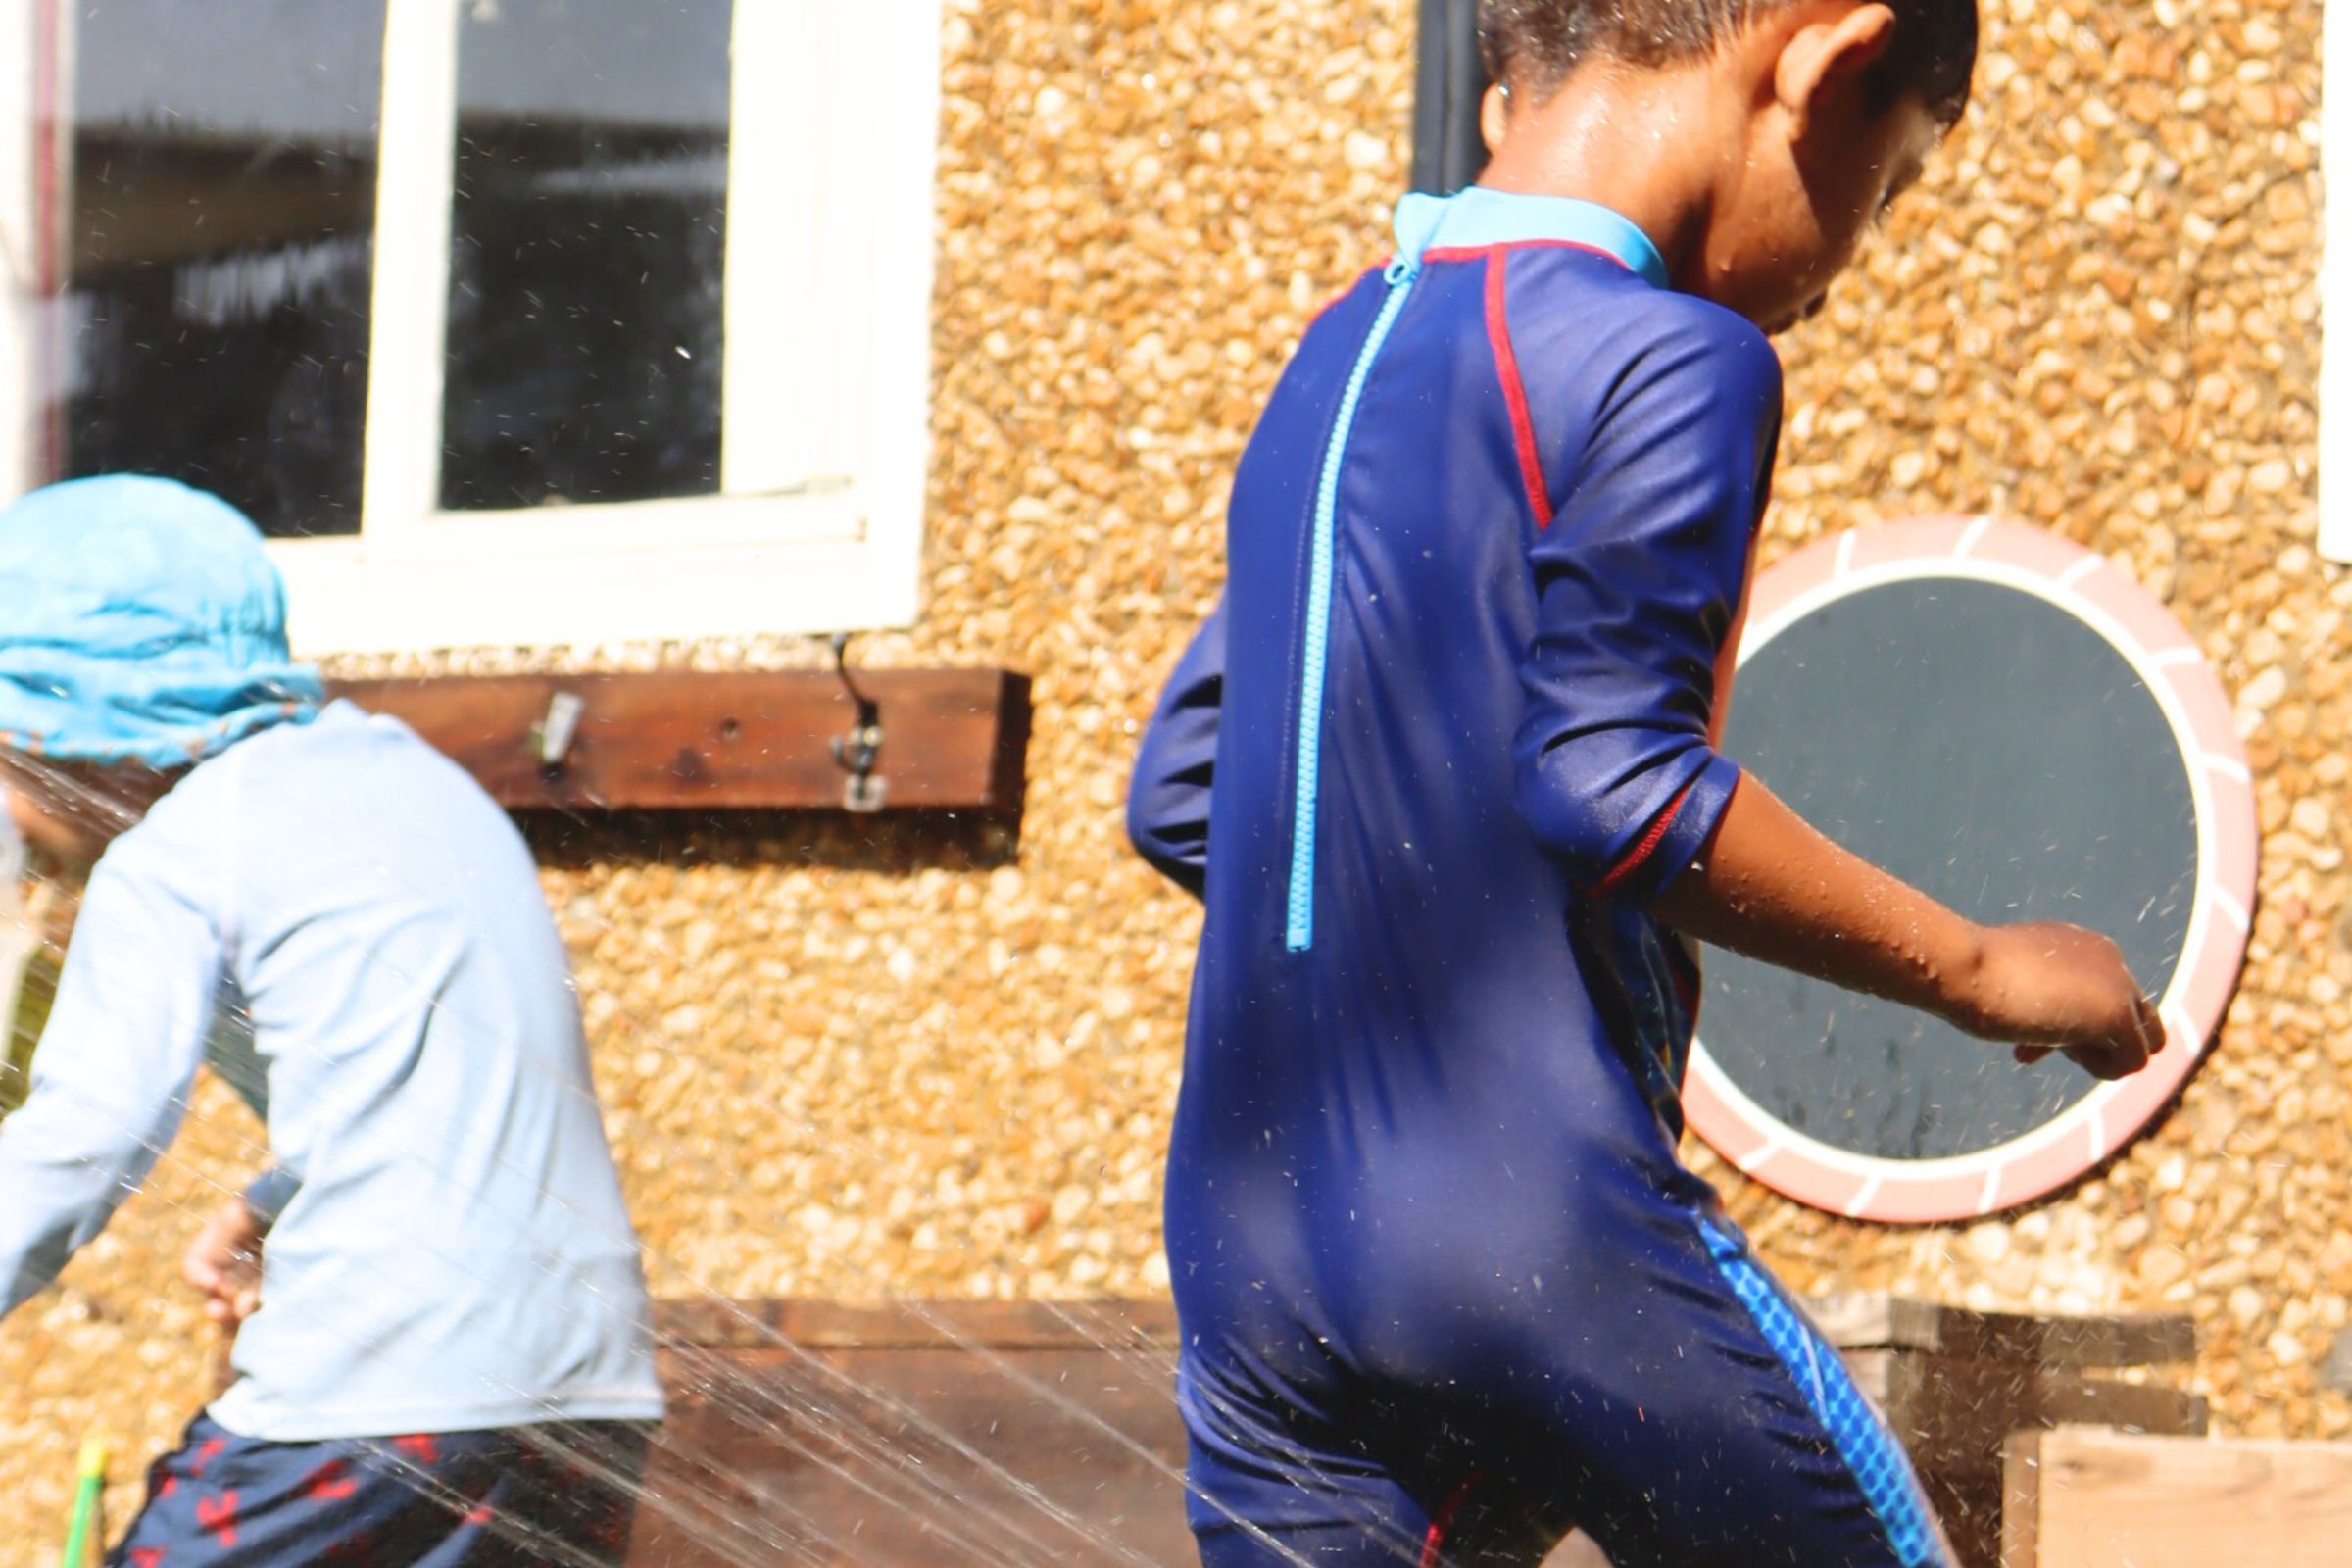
x: 587, y: 252
x: 219, y: 241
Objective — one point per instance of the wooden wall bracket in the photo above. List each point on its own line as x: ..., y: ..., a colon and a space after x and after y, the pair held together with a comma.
x: 950, y: 739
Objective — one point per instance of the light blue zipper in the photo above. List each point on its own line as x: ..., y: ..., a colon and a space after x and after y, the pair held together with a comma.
x: 1314, y: 659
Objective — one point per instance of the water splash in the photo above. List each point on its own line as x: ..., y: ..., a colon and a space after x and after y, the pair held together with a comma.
x: 885, y: 1449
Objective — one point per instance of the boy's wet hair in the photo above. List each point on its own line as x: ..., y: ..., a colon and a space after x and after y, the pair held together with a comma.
x: 1534, y: 44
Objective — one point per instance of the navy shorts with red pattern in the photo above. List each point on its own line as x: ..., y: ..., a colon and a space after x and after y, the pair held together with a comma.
x: 556, y: 1493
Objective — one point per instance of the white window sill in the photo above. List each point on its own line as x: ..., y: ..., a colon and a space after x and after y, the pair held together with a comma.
x: 342, y: 600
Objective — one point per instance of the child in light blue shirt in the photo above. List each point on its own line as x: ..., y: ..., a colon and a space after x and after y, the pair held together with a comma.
x: 452, y: 1304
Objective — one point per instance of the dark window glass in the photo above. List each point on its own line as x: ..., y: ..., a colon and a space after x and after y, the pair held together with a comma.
x: 587, y: 252
x: 219, y: 239
x: 1991, y: 747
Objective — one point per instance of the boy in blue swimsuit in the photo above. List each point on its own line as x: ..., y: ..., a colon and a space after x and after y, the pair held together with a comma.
x: 445, y: 1355
x: 1442, y: 764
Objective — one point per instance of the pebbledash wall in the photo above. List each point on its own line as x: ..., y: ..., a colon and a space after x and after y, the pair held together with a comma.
x: 851, y: 1062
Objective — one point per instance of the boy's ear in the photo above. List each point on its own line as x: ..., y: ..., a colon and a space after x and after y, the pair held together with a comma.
x: 1494, y: 113
x: 1825, y: 55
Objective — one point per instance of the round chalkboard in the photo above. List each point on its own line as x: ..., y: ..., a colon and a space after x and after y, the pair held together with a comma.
x: 2008, y: 722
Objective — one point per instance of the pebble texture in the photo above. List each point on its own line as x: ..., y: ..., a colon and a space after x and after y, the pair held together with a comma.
x: 2101, y: 315
x: 857, y: 1061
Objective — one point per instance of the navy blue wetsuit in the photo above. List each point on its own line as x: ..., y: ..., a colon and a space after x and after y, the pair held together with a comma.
x: 1445, y: 1289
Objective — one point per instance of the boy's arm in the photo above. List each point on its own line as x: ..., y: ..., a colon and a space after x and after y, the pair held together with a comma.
x: 111, y: 1079
x: 1167, y: 804
x: 1640, y: 580
x: 1770, y: 886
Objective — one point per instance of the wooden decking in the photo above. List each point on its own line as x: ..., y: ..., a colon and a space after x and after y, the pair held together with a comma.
x: 957, y: 1435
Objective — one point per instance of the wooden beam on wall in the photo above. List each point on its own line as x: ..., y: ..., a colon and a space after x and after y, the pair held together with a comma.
x: 952, y: 739
x: 708, y: 1322
x: 1874, y: 1329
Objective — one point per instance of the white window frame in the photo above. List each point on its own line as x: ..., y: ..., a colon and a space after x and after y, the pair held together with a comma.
x: 31, y: 73
x: 818, y: 526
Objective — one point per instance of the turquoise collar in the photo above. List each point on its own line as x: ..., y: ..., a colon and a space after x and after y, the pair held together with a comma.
x: 1479, y: 217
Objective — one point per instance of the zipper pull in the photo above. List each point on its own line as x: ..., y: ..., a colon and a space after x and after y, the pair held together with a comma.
x: 1401, y: 272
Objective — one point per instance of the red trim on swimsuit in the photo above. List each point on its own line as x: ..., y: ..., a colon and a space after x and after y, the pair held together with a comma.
x: 1471, y: 253
x: 1635, y: 856
x: 1514, y: 390
x: 1433, y: 1544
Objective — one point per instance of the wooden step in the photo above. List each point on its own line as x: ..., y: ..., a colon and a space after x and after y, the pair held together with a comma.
x: 2091, y: 1497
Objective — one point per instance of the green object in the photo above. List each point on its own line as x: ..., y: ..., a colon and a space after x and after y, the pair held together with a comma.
x: 24, y: 1015
x: 86, y: 1495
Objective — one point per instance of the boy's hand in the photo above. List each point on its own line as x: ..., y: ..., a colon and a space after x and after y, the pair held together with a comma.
x: 2046, y: 986
x: 224, y: 1263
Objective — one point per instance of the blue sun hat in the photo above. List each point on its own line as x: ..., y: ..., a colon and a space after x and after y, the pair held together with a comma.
x: 140, y: 622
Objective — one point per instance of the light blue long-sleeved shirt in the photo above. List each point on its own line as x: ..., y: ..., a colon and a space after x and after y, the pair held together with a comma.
x: 455, y: 1254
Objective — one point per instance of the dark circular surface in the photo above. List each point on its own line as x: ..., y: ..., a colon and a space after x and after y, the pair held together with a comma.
x: 1986, y: 745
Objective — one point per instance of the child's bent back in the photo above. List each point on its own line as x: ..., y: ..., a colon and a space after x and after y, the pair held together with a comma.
x: 454, y: 1254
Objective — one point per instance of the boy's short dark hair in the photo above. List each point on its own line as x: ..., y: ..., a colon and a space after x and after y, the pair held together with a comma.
x: 1534, y: 44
